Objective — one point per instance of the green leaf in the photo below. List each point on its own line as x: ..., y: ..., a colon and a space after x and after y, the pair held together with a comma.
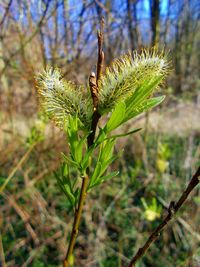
x: 106, y: 150
x: 143, y: 92
x: 98, y: 182
x: 63, y: 189
x: 122, y: 135
x: 79, y: 148
x: 109, y: 176
x: 146, y: 105
x: 64, y: 182
x: 86, y: 159
x: 104, y: 178
x: 69, y: 194
x: 116, y: 118
x: 68, y: 160
x: 106, y: 164
x: 76, y: 142
x: 65, y: 170
x: 100, y: 137
x: 72, y: 133
x: 65, y: 176
x: 96, y: 173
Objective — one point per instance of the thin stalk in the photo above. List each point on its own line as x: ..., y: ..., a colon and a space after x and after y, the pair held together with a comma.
x: 2, y: 255
x: 93, y: 82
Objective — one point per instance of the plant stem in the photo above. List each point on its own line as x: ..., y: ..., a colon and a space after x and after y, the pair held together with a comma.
x: 93, y: 82
x: 96, y: 116
x: 76, y: 223
x: 173, y: 209
x: 100, y: 52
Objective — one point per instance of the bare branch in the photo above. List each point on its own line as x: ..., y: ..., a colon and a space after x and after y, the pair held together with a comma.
x: 6, y: 13
x: 100, y: 51
x: 173, y: 209
x: 93, y: 82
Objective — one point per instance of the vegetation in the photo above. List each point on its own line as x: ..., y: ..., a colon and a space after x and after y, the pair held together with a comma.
x: 134, y: 171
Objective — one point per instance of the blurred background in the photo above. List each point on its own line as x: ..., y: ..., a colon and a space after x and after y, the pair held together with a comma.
x: 157, y: 163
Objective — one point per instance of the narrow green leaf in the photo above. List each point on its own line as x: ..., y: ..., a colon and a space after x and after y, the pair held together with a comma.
x: 146, y: 105
x: 143, y: 92
x: 104, y: 178
x: 65, y: 170
x: 106, y: 164
x: 72, y: 133
x: 100, y: 137
x: 109, y: 176
x: 122, y: 135
x: 79, y: 148
x: 61, y: 185
x: 69, y: 194
x: 86, y: 158
x: 68, y: 160
x: 106, y: 150
x: 98, y: 182
x: 96, y: 173
x: 116, y: 117
x: 65, y: 175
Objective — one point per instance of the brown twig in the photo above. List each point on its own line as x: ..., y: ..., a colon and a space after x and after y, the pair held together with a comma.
x: 173, y: 209
x: 29, y: 39
x: 96, y: 116
x: 100, y: 51
x: 93, y: 82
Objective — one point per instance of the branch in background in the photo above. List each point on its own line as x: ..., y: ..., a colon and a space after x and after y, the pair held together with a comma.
x: 29, y: 39
x: 173, y: 209
x: 6, y: 13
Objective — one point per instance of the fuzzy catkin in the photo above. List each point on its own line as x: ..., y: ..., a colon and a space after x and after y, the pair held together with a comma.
x: 61, y: 99
x: 126, y: 77
x: 127, y: 74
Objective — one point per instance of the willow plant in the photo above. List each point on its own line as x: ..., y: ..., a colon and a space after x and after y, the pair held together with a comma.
x: 123, y: 92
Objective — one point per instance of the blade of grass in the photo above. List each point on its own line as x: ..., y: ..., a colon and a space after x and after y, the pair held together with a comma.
x: 20, y: 163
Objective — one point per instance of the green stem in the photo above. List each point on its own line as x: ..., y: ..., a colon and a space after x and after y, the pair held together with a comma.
x: 68, y: 259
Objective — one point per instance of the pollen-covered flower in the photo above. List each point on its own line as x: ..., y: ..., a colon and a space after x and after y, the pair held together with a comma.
x: 127, y: 74
x: 61, y: 99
